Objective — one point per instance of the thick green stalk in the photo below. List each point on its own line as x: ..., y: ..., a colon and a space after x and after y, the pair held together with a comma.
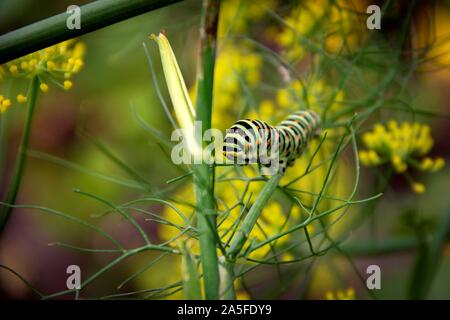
x: 95, y: 15
x: 206, y: 220
x: 252, y: 216
x: 203, y: 174
x: 11, y: 194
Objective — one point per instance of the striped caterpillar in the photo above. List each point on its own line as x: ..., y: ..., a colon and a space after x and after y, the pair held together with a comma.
x: 271, y: 147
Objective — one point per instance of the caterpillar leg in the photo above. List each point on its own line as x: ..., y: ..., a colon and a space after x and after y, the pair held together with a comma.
x: 273, y: 167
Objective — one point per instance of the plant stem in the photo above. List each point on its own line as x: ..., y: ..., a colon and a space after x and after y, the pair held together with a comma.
x: 252, y: 216
x: 93, y: 16
x: 191, y: 279
x: 203, y: 174
x: 13, y: 188
x: 367, y: 248
x: 227, y: 291
x: 206, y: 220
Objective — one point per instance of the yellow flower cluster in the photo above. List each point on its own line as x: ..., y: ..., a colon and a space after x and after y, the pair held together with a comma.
x: 57, y: 63
x: 401, y: 145
x: 335, y: 20
x: 348, y: 294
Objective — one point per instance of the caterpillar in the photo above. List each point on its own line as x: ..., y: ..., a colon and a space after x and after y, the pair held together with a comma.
x: 271, y: 147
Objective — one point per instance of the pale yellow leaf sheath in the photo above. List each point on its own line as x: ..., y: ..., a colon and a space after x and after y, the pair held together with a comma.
x: 184, y: 111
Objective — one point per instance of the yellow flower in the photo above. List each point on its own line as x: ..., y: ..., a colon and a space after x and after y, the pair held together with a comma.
x: 13, y: 69
x: 427, y: 164
x: 398, y: 163
x: 4, y: 104
x: 51, y: 65
x: 44, y: 87
x: 68, y: 84
x: 21, y: 98
x: 418, y: 188
x: 439, y: 163
x: 401, y: 145
x: 57, y: 62
x: 369, y: 158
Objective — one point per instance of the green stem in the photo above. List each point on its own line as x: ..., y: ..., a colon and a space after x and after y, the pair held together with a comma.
x: 191, y: 278
x: 366, y: 248
x: 206, y: 220
x: 227, y: 290
x: 95, y: 15
x: 252, y: 216
x: 13, y: 189
x: 203, y: 174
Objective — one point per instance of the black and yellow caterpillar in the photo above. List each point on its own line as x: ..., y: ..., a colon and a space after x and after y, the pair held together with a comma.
x: 275, y: 147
